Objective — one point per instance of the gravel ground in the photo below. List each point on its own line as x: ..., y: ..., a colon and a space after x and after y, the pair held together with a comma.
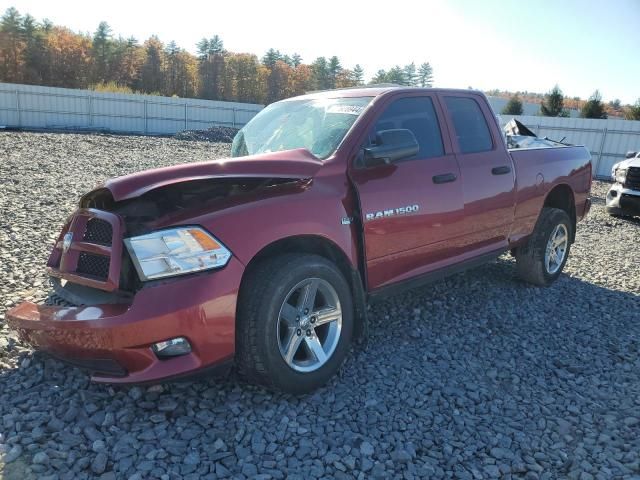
x: 477, y: 376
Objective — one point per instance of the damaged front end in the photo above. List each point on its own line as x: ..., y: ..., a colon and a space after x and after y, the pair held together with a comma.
x: 89, y: 262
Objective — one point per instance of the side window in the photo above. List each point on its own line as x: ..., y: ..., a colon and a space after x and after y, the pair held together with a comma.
x: 418, y: 115
x: 470, y: 125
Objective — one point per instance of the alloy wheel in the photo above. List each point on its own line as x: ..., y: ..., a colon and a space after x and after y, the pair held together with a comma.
x: 309, y: 325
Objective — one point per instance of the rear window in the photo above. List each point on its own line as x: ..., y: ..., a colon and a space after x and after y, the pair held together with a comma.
x: 471, y: 127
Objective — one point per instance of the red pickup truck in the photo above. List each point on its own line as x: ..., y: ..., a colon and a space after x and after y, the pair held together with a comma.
x: 269, y: 258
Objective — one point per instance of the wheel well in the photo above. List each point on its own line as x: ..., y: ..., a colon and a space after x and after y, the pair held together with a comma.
x: 561, y: 196
x: 323, y: 247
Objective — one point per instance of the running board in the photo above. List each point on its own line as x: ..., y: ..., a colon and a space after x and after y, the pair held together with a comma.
x: 430, y: 277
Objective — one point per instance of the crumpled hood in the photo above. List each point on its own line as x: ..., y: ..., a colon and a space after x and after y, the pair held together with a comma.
x: 630, y: 162
x: 293, y: 164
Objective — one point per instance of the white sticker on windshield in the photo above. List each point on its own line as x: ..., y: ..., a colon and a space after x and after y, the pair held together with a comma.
x: 347, y: 109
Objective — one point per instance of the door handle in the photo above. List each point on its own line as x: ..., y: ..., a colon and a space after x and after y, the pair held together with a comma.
x: 444, y: 178
x: 503, y: 170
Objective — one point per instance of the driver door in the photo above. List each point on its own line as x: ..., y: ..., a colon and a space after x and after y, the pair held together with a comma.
x: 413, y: 209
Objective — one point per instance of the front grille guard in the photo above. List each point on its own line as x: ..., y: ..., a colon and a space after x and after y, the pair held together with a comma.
x: 63, y: 262
x: 633, y: 178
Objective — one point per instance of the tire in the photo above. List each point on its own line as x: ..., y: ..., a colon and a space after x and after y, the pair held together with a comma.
x: 267, y: 330
x: 532, y: 263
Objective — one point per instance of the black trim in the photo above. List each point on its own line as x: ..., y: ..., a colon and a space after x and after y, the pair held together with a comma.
x: 502, y: 170
x: 421, y: 280
x: 360, y: 303
x: 444, y: 178
x: 99, y: 367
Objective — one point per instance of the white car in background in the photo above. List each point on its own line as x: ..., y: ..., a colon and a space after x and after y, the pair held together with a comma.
x: 623, y: 198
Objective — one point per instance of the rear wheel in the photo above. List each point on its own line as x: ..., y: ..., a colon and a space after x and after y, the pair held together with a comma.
x: 543, y: 258
x: 295, y: 321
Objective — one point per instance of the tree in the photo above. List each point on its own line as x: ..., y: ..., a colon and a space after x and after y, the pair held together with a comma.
x: 553, y: 104
x: 101, y: 53
x: 410, y: 75
x: 245, y: 69
x: 633, y: 111
x: 35, y: 55
x: 358, y: 75
x: 321, y: 78
x: 271, y: 57
x: 334, y: 69
x: 126, y: 65
x: 301, y: 81
x: 513, y: 106
x: 396, y: 75
x: 278, y: 81
x: 151, y: 78
x: 616, y: 104
x: 594, y: 108
x: 296, y: 60
x: 69, y: 57
x: 12, y: 46
x: 180, y: 72
x: 379, y: 77
x: 211, y: 55
x: 425, y: 75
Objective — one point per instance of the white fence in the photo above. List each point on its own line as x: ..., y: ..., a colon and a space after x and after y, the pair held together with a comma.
x: 607, y: 140
x: 28, y: 106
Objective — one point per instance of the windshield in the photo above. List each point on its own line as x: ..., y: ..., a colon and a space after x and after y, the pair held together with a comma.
x: 319, y: 125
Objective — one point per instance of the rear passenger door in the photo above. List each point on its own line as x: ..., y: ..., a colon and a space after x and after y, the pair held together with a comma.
x: 412, y: 210
x: 488, y: 177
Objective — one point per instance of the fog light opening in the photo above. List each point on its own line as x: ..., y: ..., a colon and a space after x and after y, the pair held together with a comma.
x: 174, y: 347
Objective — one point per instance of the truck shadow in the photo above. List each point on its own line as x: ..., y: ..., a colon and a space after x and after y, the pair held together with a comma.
x: 476, y: 341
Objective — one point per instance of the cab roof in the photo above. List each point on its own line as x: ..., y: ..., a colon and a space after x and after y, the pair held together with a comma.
x: 376, y: 91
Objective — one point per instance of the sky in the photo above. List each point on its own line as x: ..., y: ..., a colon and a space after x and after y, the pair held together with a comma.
x: 581, y: 45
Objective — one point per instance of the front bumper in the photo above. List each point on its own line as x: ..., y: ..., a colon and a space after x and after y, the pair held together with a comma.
x: 114, y: 341
x: 622, y: 201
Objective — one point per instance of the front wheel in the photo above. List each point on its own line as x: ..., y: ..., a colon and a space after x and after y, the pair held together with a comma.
x: 295, y: 321
x: 542, y: 259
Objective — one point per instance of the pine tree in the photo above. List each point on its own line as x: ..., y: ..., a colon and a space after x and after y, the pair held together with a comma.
x: 296, y: 60
x: 101, y: 53
x: 11, y: 46
x: 35, y: 64
x: 334, y: 68
x: 211, y: 56
x: 594, y: 108
x: 358, y: 75
x: 320, y: 70
x: 410, y: 75
x: 553, y: 104
x: 216, y: 45
x: 379, y: 77
x: 271, y: 57
x: 397, y: 76
x: 425, y: 75
x: 513, y: 107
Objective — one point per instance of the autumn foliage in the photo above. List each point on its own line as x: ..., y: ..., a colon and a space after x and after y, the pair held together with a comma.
x: 46, y: 54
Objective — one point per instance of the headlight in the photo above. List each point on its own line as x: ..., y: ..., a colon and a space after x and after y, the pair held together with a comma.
x: 176, y: 252
x: 620, y: 175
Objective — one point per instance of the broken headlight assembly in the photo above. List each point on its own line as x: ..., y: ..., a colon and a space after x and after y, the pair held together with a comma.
x: 620, y: 175
x: 177, y: 251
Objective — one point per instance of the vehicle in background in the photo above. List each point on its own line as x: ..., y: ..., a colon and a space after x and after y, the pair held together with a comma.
x: 623, y: 198
x: 332, y: 200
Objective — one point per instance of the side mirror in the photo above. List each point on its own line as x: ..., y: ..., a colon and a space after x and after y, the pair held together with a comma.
x: 391, y: 146
x: 630, y: 154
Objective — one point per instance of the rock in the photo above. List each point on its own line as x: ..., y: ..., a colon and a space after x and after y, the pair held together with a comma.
x: 41, y: 458
x: 366, y: 449
x: 99, y: 463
